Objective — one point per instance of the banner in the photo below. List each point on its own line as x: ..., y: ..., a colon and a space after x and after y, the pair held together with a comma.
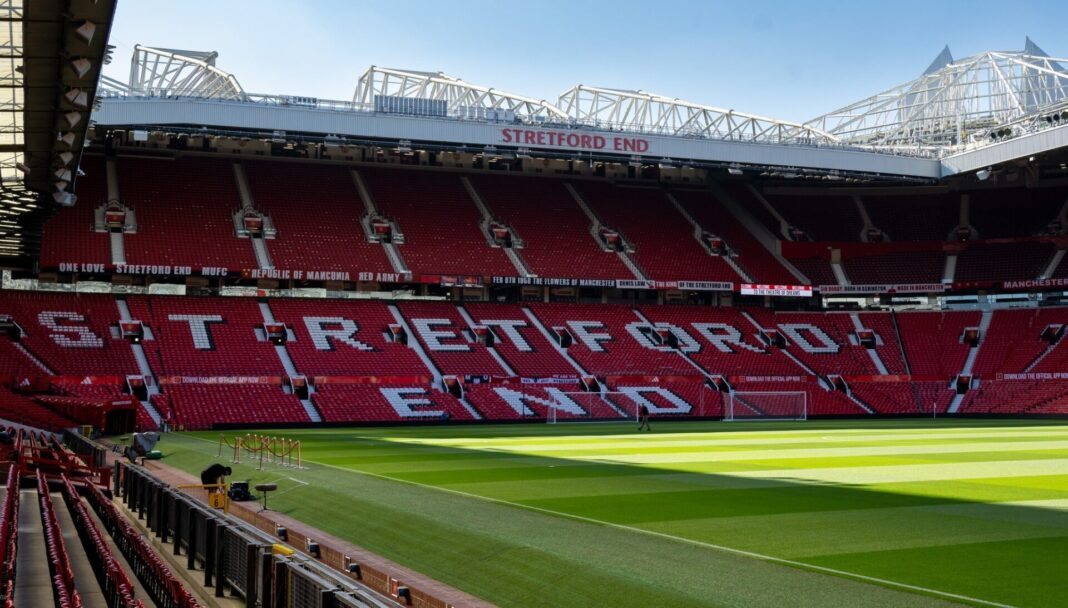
x: 888, y: 288
x: 409, y: 380
x: 220, y: 380
x: 694, y: 285
x: 1034, y: 376
x: 740, y: 379
x: 792, y: 291
x: 553, y: 282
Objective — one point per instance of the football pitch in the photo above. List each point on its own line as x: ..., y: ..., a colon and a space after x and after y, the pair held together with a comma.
x: 817, y: 513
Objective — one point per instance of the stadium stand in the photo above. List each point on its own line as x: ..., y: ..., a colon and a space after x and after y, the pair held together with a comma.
x: 934, y: 343
x: 205, y: 337
x: 297, y: 196
x: 557, y: 241
x: 439, y: 220
x: 69, y: 236
x: 665, y: 247
x: 184, y: 213
x: 830, y: 218
x: 1003, y: 261
x: 753, y: 257
x: 895, y: 267
x: 518, y: 340
x: 69, y: 335
x: 344, y: 338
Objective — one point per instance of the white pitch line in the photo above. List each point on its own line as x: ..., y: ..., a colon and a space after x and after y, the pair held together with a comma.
x: 750, y: 554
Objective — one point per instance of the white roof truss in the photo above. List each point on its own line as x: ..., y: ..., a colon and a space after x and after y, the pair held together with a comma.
x: 648, y: 112
x: 457, y: 93
x: 178, y: 73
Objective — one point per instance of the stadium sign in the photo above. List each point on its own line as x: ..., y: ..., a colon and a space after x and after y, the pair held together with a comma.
x: 574, y: 140
x: 1035, y: 283
x: 792, y: 291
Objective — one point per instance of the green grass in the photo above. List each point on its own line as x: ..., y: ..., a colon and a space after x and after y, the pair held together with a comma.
x: 871, y: 513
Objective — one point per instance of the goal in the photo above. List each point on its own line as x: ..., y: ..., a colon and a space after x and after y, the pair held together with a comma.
x: 617, y: 406
x: 767, y: 405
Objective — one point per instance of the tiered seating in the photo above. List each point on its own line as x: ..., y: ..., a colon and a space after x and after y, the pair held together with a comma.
x: 108, y: 569
x: 555, y: 231
x: 620, y: 354
x: 139, y: 551
x: 367, y: 403
x: 14, y: 362
x: 817, y: 270
x: 890, y: 353
x: 915, y: 217
x: 741, y: 193
x: 843, y: 357
x: 71, y: 334
x: 896, y: 268
x: 333, y: 356
x: 1018, y: 397
x: 1014, y: 340
x: 824, y: 218
x: 102, y: 392
x: 491, y: 403
x: 59, y: 560
x: 68, y: 235
x: 453, y: 352
x: 1014, y: 213
x: 740, y: 361
x: 201, y: 406
x: 1003, y: 261
x: 937, y: 395
x: 535, y: 357
x: 753, y: 257
x: 665, y: 247
x: 228, y: 346
x: 298, y: 197
x: 887, y: 397
x: 439, y: 220
x: 16, y: 408
x: 184, y: 213
x: 933, y: 343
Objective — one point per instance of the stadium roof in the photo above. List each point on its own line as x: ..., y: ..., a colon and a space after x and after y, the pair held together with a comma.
x: 52, y: 54
x: 955, y: 102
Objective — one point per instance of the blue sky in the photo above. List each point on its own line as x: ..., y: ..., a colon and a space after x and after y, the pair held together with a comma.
x: 791, y: 60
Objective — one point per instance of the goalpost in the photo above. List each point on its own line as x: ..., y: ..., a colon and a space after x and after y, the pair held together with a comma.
x: 618, y: 406
x: 766, y: 405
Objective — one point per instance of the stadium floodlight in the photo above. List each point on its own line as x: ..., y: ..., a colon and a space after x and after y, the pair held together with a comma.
x: 67, y: 138
x: 983, y: 174
x: 81, y: 66
x: 77, y: 97
x: 86, y: 31
x: 64, y: 198
x: 734, y: 170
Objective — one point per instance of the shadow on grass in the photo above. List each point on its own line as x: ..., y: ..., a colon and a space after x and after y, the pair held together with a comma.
x: 505, y: 549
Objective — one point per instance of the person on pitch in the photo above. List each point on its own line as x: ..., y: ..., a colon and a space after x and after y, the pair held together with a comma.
x: 215, y: 475
x: 643, y: 418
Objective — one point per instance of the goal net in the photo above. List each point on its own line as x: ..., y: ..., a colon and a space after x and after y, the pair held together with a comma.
x: 767, y: 405
x: 616, y: 406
